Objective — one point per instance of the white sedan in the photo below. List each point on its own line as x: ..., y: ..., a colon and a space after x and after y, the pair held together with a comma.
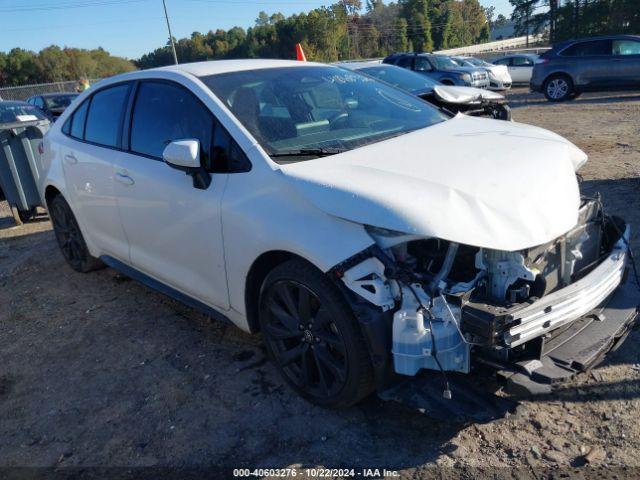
x: 499, y: 77
x: 365, y: 233
x: 520, y: 67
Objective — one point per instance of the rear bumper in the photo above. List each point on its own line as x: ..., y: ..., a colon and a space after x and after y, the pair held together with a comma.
x: 577, y: 347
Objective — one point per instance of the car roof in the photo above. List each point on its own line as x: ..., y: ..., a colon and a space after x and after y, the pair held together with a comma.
x: 213, y: 67
x: 515, y: 55
x: 565, y: 43
x: 365, y: 64
x: 13, y: 103
x: 59, y: 94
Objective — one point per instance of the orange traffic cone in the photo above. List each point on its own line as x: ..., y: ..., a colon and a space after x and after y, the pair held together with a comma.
x: 300, y: 56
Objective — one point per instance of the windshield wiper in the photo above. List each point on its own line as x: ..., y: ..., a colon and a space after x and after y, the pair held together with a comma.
x: 316, y: 152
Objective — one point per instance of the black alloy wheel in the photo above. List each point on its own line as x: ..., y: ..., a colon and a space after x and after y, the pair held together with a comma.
x: 312, y: 336
x: 69, y: 237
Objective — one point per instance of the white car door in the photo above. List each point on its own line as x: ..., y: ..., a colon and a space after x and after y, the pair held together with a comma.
x: 174, y: 229
x: 88, y: 149
x: 521, y: 69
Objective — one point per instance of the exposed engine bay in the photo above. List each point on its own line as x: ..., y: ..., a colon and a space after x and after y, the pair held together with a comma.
x: 450, y: 301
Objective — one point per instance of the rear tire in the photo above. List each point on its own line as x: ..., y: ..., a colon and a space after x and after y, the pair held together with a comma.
x: 313, y: 337
x: 69, y: 237
x: 558, y: 88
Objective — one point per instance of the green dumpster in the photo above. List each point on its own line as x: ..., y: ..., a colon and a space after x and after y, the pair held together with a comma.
x: 20, y: 139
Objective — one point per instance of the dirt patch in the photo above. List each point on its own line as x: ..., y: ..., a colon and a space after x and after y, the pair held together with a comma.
x: 96, y: 370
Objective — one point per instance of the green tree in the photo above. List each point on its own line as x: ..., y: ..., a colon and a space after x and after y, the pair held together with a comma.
x: 53, y: 64
x: 416, y: 12
x: 21, y: 67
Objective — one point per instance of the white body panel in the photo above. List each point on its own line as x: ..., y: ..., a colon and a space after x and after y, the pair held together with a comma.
x: 88, y: 175
x: 521, y: 74
x: 503, y: 185
x: 476, y: 181
x: 174, y: 230
x: 500, y: 76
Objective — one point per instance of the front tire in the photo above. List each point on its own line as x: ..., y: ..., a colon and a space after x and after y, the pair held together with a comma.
x: 558, y: 88
x: 69, y: 237
x: 313, y: 337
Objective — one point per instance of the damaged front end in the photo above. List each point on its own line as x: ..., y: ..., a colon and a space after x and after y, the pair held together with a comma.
x: 470, y: 101
x: 534, y: 317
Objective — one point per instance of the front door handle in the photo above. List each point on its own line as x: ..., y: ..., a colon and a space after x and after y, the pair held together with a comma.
x: 124, y: 179
x: 70, y: 159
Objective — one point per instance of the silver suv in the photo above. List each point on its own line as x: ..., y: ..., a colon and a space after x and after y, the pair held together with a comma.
x: 590, y: 64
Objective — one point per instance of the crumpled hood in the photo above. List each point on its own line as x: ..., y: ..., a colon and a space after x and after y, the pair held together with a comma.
x: 463, y: 95
x: 475, y: 181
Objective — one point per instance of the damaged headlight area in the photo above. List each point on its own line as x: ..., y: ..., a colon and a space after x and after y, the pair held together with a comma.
x: 448, y: 304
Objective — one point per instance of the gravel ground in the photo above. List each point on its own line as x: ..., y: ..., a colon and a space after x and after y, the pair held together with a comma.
x: 99, y: 371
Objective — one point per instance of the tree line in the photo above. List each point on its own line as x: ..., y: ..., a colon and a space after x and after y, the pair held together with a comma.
x: 55, y: 64
x: 344, y: 30
x: 566, y: 19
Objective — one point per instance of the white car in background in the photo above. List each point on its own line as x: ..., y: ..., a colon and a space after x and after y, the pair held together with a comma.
x: 364, y: 232
x: 499, y: 78
x: 520, y: 67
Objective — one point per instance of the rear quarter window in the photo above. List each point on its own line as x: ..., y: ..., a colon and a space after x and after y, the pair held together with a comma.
x: 586, y: 49
x: 78, y: 120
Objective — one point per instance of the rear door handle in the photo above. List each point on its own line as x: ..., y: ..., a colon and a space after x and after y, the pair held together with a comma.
x: 70, y: 159
x: 124, y: 179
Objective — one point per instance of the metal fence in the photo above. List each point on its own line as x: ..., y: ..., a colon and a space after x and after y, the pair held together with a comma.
x: 25, y: 91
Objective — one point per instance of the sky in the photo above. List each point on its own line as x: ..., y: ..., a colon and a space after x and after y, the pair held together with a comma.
x: 130, y: 28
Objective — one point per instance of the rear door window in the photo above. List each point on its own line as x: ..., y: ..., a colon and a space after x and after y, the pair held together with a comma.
x: 521, y: 62
x: 626, y: 47
x: 105, y: 116
x: 405, y: 62
x: 587, y: 49
x: 423, y: 65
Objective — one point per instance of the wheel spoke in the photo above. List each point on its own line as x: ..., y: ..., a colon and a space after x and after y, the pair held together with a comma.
x: 322, y: 319
x: 321, y: 374
x: 304, y: 305
x: 325, y: 357
x: 289, y: 356
x: 331, y: 340
x: 284, y: 292
x: 289, y: 322
x: 305, y: 377
x: 282, y: 332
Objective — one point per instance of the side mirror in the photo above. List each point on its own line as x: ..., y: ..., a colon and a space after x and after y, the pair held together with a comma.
x: 185, y: 155
x: 182, y: 154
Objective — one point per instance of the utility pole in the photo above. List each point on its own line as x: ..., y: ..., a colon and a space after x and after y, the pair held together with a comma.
x: 173, y: 46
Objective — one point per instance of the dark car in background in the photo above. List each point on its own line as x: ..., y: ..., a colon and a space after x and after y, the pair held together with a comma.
x: 53, y: 104
x: 588, y: 64
x: 454, y: 99
x: 440, y: 68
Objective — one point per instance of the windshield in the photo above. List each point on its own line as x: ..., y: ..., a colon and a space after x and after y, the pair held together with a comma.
x: 318, y: 110
x: 477, y: 62
x: 60, y: 101
x: 444, y: 63
x: 401, y: 78
x: 15, y: 112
